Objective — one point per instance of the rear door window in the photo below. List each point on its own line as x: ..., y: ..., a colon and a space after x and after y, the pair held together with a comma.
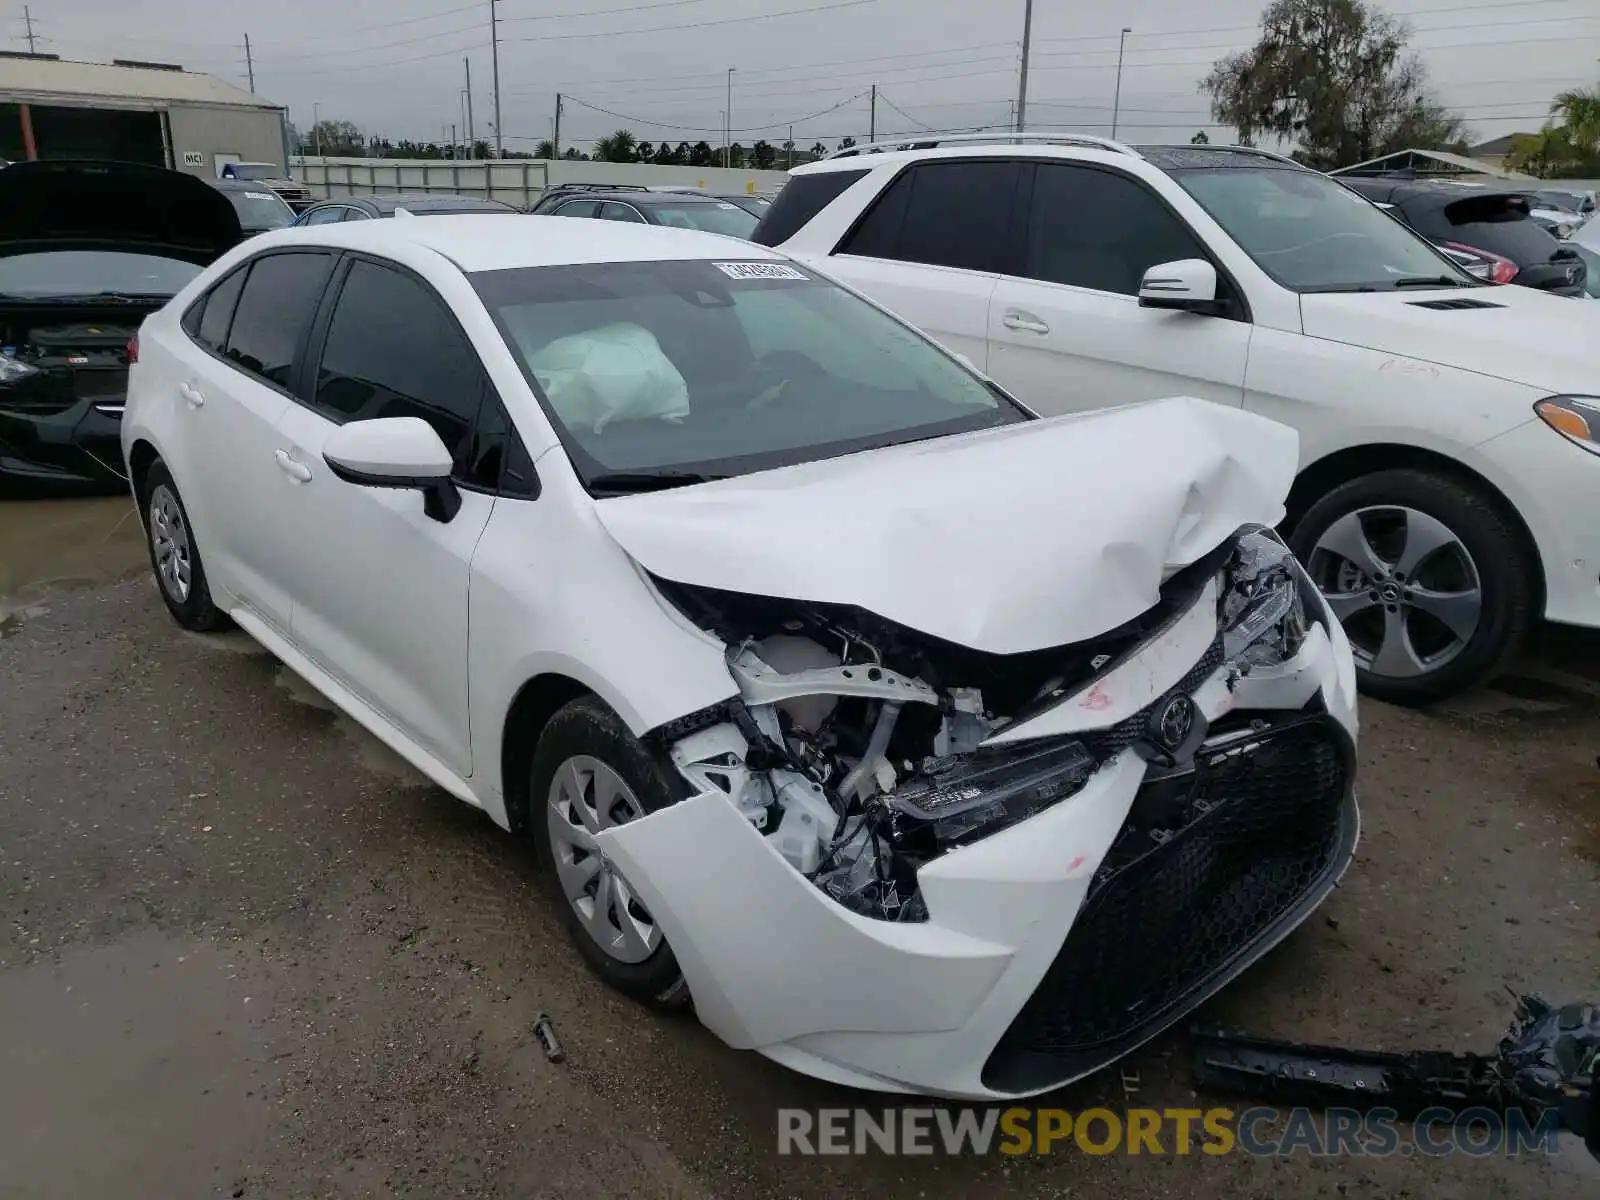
x: 326, y: 216
x: 579, y: 208
x: 212, y: 331
x: 949, y: 214
x: 274, y: 314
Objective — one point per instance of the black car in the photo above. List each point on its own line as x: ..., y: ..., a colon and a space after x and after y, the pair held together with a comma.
x: 681, y: 210
x: 367, y: 208
x: 87, y: 251
x: 1490, y: 232
x: 260, y: 209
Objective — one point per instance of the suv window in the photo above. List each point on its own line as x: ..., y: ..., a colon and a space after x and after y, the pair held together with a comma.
x: 611, y: 210
x: 578, y: 208
x: 326, y: 216
x: 394, y: 350
x: 1099, y: 229
x: 217, y: 313
x: 949, y: 214
x: 1497, y: 223
x: 802, y: 198
x: 274, y: 313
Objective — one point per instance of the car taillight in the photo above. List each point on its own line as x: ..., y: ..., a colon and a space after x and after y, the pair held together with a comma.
x: 1491, y: 267
x: 133, y: 349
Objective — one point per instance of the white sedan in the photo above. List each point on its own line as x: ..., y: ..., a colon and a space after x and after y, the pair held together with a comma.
x: 927, y: 745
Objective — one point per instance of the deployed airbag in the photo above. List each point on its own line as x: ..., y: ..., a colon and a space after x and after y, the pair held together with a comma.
x: 613, y: 373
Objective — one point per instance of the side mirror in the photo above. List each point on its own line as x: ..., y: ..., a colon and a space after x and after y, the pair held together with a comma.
x: 1188, y: 285
x: 396, y: 452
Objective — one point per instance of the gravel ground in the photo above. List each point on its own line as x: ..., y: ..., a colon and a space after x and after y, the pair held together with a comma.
x: 247, y: 952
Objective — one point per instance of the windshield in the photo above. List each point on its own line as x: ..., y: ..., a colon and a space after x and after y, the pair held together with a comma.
x: 69, y: 273
x: 260, y: 211
x: 254, y: 171
x: 721, y: 217
x: 1313, y: 234
x: 673, y: 369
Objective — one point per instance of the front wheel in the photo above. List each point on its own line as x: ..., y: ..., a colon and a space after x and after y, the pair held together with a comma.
x: 589, y: 774
x: 1433, y: 583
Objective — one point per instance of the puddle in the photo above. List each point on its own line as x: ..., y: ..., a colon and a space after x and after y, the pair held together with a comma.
x: 372, y: 753
x: 300, y: 691
x: 63, y: 543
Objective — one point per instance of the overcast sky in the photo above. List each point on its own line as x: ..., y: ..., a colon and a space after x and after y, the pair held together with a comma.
x: 396, y: 68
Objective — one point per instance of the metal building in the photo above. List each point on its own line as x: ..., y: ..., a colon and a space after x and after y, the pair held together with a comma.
x: 133, y: 112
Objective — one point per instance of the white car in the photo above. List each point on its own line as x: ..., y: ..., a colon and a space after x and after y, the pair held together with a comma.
x: 928, y: 745
x: 1448, y: 429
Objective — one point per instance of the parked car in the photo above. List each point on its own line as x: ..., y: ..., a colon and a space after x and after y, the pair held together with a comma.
x: 1441, y: 421
x: 87, y: 250
x: 269, y: 175
x: 678, y: 210
x: 751, y: 202
x: 260, y: 209
x: 367, y: 208
x: 736, y: 594
x: 1586, y: 242
x: 1492, y: 231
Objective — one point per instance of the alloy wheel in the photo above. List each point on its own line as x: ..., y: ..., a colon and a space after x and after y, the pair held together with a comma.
x: 1403, y: 586
x: 586, y: 797
x: 169, y: 541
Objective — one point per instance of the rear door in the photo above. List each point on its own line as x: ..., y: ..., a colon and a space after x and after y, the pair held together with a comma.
x: 932, y: 247
x: 233, y: 389
x: 379, y: 587
x: 1066, y: 331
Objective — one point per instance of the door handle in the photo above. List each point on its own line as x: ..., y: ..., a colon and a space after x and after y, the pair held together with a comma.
x: 192, y: 395
x: 297, y: 471
x: 1024, y: 321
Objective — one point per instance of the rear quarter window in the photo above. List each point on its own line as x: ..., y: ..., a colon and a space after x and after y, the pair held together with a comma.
x: 802, y: 198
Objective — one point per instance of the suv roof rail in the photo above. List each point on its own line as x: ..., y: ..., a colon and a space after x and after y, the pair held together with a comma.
x: 596, y: 187
x: 1085, y: 141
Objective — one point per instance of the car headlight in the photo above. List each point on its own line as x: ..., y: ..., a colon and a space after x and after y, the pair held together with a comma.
x: 1576, y: 418
x: 1268, y: 602
x: 13, y: 370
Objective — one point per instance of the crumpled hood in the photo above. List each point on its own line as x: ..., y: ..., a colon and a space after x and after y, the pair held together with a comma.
x: 64, y: 205
x: 1021, y: 538
x: 1532, y: 338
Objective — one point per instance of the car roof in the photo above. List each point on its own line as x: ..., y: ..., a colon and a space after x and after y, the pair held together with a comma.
x: 387, y: 202
x: 1163, y: 158
x: 482, y: 242
x: 644, y: 198
x: 240, y: 185
x: 1422, y: 193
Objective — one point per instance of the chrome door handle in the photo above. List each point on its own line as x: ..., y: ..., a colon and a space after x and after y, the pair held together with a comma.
x: 192, y: 395
x: 1024, y: 321
x: 294, y: 470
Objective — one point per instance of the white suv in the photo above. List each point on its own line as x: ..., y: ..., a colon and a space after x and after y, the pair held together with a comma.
x: 1433, y: 504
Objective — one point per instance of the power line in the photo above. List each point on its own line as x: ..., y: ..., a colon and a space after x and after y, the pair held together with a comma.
x: 823, y: 79
x: 901, y: 111
x: 607, y: 12
x: 609, y: 33
x: 703, y: 129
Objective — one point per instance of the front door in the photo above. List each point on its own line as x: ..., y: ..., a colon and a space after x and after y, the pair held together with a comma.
x: 381, y: 588
x: 1068, y: 333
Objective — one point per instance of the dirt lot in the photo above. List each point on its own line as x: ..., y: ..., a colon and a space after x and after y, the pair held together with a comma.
x: 246, y: 952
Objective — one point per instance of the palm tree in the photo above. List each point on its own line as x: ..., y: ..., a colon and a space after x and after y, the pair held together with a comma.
x: 545, y: 149
x: 1579, y: 110
x: 619, y: 147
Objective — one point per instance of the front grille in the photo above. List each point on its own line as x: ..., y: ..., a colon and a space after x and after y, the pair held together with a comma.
x: 1210, y: 866
x: 1108, y: 743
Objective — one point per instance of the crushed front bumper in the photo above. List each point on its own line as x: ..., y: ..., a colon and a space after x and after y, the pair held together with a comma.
x: 1053, y: 946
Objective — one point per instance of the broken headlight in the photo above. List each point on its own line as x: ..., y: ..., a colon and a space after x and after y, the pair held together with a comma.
x: 1268, y: 602
x: 987, y: 791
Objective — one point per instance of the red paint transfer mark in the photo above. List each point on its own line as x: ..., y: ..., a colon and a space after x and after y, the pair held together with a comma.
x: 1077, y: 862
x: 1095, y: 700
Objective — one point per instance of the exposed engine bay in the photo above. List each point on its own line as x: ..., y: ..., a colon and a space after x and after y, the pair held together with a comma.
x: 861, y: 748
x: 46, y: 360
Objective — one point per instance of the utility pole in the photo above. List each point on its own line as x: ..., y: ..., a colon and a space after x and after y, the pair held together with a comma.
x: 455, y: 146
x: 1022, y: 82
x: 1116, y: 102
x: 555, y: 132
x: 872, y: 121
x: 27, y: 15
x: 494, y: 48
x: 249, y: 63
x: 727, y: 125
x: 790, y: 164
x: 316, y: 125
x: 472, y: 136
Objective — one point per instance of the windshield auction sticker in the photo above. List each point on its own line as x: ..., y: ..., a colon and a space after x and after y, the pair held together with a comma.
x: 759, y: 270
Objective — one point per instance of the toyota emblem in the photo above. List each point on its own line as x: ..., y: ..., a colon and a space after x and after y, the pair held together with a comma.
x: 1175, y: 722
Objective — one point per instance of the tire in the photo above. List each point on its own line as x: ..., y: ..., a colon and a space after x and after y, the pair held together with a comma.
x: 169, y: 537
x: 1389, y: 519
x: 582, y: 741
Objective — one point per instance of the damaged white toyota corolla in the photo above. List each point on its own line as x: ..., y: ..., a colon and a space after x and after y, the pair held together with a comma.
x: 926, y: 745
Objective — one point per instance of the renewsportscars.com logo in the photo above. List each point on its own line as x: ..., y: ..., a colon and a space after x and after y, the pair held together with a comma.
x: 1262, y: 1132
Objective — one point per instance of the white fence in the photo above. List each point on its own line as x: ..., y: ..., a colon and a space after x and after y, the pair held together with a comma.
x: 517, y: 181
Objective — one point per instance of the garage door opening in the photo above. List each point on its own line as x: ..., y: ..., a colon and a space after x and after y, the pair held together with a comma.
x: 118, y: 135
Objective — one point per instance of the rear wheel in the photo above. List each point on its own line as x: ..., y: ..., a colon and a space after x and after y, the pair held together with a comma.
x: 1433, y: 583
x: 590, y: 774
x: 174, y: 556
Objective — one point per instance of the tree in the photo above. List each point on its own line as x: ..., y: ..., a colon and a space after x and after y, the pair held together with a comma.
x: 788, y: 153
x: 818, y: 150
x: 620, y: 147
x: 573, y: 154
x: 701, y: 155
x: 763, y: 155
x: 1579, y: 111
x: 644, y: 152
x: 336, y: 139
x: 544, y: 149
x: 1333, y: 76
x: 682, y: 155
x: 1200, y: 139
x: 846, y: 143
x: 480, y: 149
x: 737, y: 155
